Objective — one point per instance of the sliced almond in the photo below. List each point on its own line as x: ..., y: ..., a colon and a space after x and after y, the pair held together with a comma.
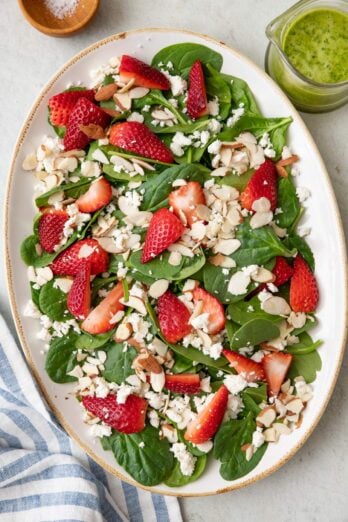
x: 262, y: 275
x: 239, y: 283
x: 170, y: 433
x: 225, y: 156
x: 105, y: 92
x: 123, y: 332
x: 261, y: 205
x: 157, y: 381
x: 260, y: 219
x: 136, y: 303
x: 92, y: 131
x: 127, y: 86
x: 158, y: 288
x: 281, y: 428
x: 287, y: 161
x: 148, y: 362
x: 203, y: 212
x: 123, y: 101
x: 138, y: 92
x: 111, y: 112
x: 295, y: 406
x: 175, y: 258
x: 281, y: 171
x: 276, y: 306
x: 226, y: 246
x: 266, y: 417
x: 223, y: 261
x: 139, y: 219
x: 220, y: 172
x: 76, y: 153
x: 126, y: 206
x: 271, y: 435
x: 108, y: 244
x: 181, y: 249
x: 160, y: 115
x: 30, y: 162
x: 143, y: 164
x: 190, y: 284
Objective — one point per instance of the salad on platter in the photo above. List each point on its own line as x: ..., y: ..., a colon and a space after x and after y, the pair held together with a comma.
x: 168, y: 267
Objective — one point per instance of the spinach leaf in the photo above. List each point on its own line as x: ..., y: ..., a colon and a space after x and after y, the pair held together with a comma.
x: 30, y: 256
x: 35, y: 295
x: 176, y: 479
x: 257, y: 125
x: 87, y: 341
x: 118, y: 365
x: 112, y: 175
x: 231, y: 328
x: 278, y: 137
x: 258, y: 245
x: 217, y: 87
x: 306, y: 365
x: 250, y: 405
x: 61, y: 358
x: 183, y: 365
x: 288, y: 203
x: 184, y: 55
x: 215, y: 281
x: 254, y: 332
x: 310, y: 323
x: 145, y: 456
x: 244, y: 311
x: 156, y: 190
x: 155, y: 97
x: 228, y: 442
x: 296, y: 242
x: 233, y: 180
x: 304, y: 346
x: 241, y: 93
x: 159, y: 268
x: 52, y: 302
x: 71, y: 190
x: 258, y: 394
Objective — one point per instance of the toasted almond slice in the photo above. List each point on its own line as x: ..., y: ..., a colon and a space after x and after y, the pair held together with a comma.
x: 295, y: 406
x: 225, y: 156
x: 111, y: 112
x: 287, y: 161
x: 127, y: 86
x: 108, y: 244
x: 220, y: 172
x: 143, y: 164
x: 92, y: 131
x: 175, y: 258
x: 123, y: 332
x: 267, y: 416
x: 223, y: 261
x: 203, y: 212
x: 190, y: 284
x: 30, y: 162
x: 138, y: 92
x: 139, y: 219
x: 260, y: 219
x: 126, y: 207
x: 233, y: 144
x: 207, y: 342
x: 281, y: 428
x: 282, y: 172
x: 158, y: 288
x: 271, y: 435
x: 262, y: 275
x: 160, y: 115
x: 261, y: 205
x: 157, y: 381
x: 276, y: 306
x: 148, y: 362
x: 136, y: 303
x: 181, y: 249
x: 105, y: 92
x: 123, y: 100
x: 77, y: 153
x: 226, y: 246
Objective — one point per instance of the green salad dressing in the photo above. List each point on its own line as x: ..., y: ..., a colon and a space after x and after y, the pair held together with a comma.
x: 317, y: 45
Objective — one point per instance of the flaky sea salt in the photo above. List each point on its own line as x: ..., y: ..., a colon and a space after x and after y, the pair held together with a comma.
x: 61, y: 8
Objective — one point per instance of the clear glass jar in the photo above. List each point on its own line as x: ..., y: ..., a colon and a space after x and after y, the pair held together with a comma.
x: 307, y: 95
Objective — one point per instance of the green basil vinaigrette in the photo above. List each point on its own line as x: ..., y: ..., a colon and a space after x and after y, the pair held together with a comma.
x: 317, y: 45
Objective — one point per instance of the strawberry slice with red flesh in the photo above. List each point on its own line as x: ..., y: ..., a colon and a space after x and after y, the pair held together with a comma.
x: 208, y: 420
x: 51, y: 227
x: 183, y: 383
x: 136, y: 137
x: 84, y: 113
x: 97, y: 196
x: 262, y: 184
x: 212, y: 306
x: 143, y: 74
x: 304, y: 293
x: 164, y: 229
x: 79, y: 296
x: 69, y: 261
x: 173, y: 317
x: 282, y: 271
x: 275, y: 366
x: 251, y: 370
x: 99, y: 320
x: 62, y: 104
x: 196, y: 104
x: 185, y: 201
x: 125, y: 418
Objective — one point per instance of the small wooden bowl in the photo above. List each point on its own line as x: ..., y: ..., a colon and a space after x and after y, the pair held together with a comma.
x: 40, y: 17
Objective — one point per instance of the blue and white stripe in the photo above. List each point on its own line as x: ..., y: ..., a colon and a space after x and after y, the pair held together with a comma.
x: 44, y: 475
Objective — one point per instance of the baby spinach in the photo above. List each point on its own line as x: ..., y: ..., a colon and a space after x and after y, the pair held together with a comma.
x: 215, y: 281
x: 118, y: 365
x: 156, y: 97
x: 307, y: 365
x: 112, y: 175
x: 30, y: 256
x: 35, y: 295
x: 217, y: 87
x: 288, y: 203
x: 258, y: 394
x: 145, y: 456
x: 310, y: 323
x: 52, y: 302
x: 228, y: 442
x: 254, y: 332
x: 244, y: 311
x: 159, y: 268
x: 296, y: 242
x: 183, y: 365
x: 71, y: 190
x: 61, y: 358
x: 156, y: 190
x: 87, y: 341
x: 233, y: 180
x: 257, y: 125
x: 259, y: 245
x: 176, y: 479
x: 241, y: 94
x: 183, y: 56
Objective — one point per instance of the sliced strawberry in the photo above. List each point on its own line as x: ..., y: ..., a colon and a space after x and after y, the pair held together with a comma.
x: 143, y: 74
x: 62, y: 104
x: 98, y: 320
x: 173, y: 317
x: 196, y: 104
x: 97, y: 196
x: 263, y: 183
x: 183, y: 383
x: 282, y: 271
x: 252, y: 371
x: 50, y: 228
x: 213, y: 307
x: 304, y: 293
x: 84, y: 113
x: 79, y: 296
x: 69, y: 261
x: 136, y: 137
x: 185, y: 201
x: 208, y: 420
x: 276, y: 365
x: 125, y: 418
x: 164, y: 229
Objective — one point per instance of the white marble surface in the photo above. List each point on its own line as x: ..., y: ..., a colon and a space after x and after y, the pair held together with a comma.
x: 313, y: 486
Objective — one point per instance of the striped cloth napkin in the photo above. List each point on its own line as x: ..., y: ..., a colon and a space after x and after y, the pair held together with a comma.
x: 44, y: 475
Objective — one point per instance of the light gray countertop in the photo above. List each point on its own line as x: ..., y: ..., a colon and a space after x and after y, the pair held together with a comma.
x: 313, y: 485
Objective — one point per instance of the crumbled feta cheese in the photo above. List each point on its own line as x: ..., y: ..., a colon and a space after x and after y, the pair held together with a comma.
x: 186, y: 459
x: 31, y: 310
x: 213, y: 107
x: 258, y: 439
x: 214, y: 148
x: 177, y: 85
x: 235, y: 383
x: 136, y: 116
x: 303, y: 193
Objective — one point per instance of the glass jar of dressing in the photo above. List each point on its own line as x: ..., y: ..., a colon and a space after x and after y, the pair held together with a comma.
x: 308, y: 54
